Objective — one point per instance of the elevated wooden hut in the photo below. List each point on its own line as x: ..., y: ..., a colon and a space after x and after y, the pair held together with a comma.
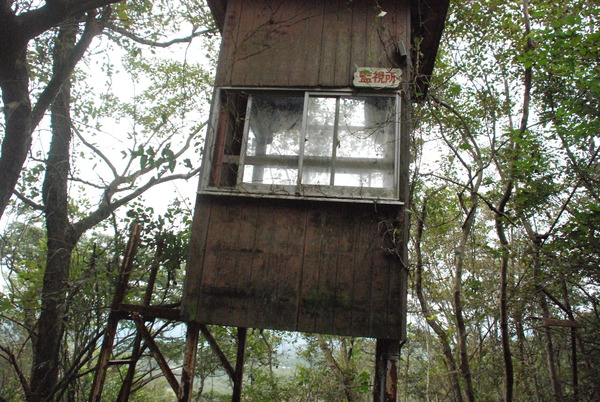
x: 300, y: 219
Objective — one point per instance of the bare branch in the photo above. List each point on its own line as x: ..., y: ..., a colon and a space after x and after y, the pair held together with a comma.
x: 528, y: 71
x: 27, y: 201
x: 452, y: 148
x: 467, y: 130
x: 19, y: 324
x: 94, y: 149
x: 480, y: 196
x: 11, y: 358
x: 106, y: 208
x: 148, y: 42
x: 87, y: 183
x: 79, y: 361
x: 33, y: 23
x: 93, y: 27
x: 147, y: 169
x: 188, y: 141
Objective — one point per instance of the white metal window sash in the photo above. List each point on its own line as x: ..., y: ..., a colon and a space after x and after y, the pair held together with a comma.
x: 298, y: 190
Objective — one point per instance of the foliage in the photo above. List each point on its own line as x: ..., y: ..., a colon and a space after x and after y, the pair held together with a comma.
x: 505, y: 189
x: 81, y: 180
x: 514, y: 98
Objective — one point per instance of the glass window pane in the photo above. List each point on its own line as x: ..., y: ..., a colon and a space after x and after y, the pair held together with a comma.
x: 345, y: 145
x: 318, y: 144
x: 273, y: 140
x: 363, y: 178
x: 266, y: 174
x: 367, y: 127
x: 366, y: 142
x: 319, y: 126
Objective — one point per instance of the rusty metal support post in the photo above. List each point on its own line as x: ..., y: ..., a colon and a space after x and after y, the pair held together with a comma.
x: 137, y: 349
x: 239, y: 365
x: 387, y: 352
x: 113, y: 318
x: 189, y: 362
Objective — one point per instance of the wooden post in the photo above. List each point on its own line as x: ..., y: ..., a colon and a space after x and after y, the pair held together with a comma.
x: 387, y: 352
x: 113, y: 318
x: 189, y: 361
x: 137, y: 350
x: 239, y: 365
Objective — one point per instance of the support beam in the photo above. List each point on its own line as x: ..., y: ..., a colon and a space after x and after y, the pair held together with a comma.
x: 137, y: 350
x: 149, y: 313
x: 162, y: 362
x: 104, y: 358
x: 189, y: 362
x: 215, y: 347
x: 113, y: 318
x: 387, y: 353
x: 239, y: 365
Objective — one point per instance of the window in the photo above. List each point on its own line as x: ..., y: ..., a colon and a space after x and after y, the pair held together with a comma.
x: 306, y: 144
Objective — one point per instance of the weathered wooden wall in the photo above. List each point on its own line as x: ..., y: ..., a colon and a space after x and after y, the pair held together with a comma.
x: 310, y: 266
x: 307, y: 43
x: 305, y: 266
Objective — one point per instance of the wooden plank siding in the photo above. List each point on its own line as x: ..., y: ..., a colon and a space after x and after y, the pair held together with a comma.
x: 302, y: 43
x: 295, y: 265
x: 302, y: 265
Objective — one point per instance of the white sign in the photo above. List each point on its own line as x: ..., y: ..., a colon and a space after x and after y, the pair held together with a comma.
x: 376, y: 77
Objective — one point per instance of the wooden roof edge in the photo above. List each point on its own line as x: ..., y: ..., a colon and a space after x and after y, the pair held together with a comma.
x: 428, y: 21
x: 218, y: 8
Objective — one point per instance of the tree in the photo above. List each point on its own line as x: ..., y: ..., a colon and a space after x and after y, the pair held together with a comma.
x: 505, y: 63
x: 158, y: 161
x: 94, y: 263
x: 20, y: 23
x: 505, y: 214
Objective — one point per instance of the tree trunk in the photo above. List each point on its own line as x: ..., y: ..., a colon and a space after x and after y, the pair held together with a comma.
x: 457, y: 297
x: 14, y: 82
x: 429, y: 316
x: 574, y: 368
x: 61, y: 239
x: 530, y: 385
x: 539, y: 289
x: 469, y: 206
x: 344, y: 376
x: 20, y: 118
x: 506, y: 352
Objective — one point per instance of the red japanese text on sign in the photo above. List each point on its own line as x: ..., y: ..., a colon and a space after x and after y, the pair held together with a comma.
x: 377, y: 77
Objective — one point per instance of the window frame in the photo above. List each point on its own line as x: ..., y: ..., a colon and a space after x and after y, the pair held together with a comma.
x: 299, y: 190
